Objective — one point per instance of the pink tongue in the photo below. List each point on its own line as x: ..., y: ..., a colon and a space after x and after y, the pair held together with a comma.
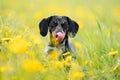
x: 59, y: 36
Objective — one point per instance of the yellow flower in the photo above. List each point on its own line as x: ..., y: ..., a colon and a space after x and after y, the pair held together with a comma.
x: 35, y: 38
x: 103, y: 71
x: 113, y: 53
x: 18, y: 45
x: 115, y: 67
x: 77, y: 75
x: 67, y: 53
x: 67, y: 61
x: 75, y: 72
x: 86, y: 62
x: 32, y: 65
x: 14, y: 77
x: 38, y: 15
x: 53, y: 55
x: 78, y: 45
x: 59, y: 64
x: 81, y: 24
x: 56, y: 64
x: 6, y: 68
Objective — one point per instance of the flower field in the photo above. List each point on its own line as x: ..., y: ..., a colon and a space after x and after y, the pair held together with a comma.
x: 97, y: 41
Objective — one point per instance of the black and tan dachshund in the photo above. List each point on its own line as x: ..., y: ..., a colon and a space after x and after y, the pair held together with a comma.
x: 60, y: 28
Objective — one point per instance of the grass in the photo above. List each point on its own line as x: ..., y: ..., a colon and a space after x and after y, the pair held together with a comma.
x: 97, y: 41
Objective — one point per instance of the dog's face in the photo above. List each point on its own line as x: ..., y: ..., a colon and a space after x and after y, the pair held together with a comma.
x: 59, y: 27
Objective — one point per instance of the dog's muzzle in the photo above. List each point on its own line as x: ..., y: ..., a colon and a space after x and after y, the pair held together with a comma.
x: 59, y: 36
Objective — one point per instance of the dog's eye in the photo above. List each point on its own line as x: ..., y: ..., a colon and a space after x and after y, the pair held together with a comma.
x: 63, y: 23
x: 55, y: 22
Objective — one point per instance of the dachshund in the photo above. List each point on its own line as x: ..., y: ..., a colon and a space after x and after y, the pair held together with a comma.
x: 60, y: 28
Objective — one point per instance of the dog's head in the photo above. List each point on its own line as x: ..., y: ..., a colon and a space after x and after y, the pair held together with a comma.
x: 58, y: 26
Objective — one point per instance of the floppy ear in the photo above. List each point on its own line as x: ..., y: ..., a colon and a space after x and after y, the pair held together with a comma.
x: 43, y: 26
x: 73, y: 27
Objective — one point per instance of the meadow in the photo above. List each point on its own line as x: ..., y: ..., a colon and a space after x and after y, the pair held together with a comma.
x: 97, y: 41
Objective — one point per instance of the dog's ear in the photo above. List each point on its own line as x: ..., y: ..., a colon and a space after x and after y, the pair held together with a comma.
x: 43, y: 26
x: 73, y: 27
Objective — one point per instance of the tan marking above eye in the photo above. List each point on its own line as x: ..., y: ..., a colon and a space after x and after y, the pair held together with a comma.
x: 63, y: 23
x: 55, y: 22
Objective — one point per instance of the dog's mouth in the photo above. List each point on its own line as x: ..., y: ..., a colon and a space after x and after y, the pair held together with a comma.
x: 58, y: 36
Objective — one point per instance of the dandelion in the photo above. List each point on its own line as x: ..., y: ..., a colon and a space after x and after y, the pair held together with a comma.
x: 81, y: 24
x: 103, y: 71
x: 113, y: 53
x: 35, y: 39
x: 77, y: 75
x: 92, y: 16
x: 75, y: 71
x: 53, y: 55
x: 108, y: 32
x: 86, y: 62
x: 67, y: 53
x: 32, y: 65
x: 14, y: 77
x: 67, y: 60
x: 78, y: 45
x: 38, y: 15
x: 6, y: 68
x: 59, y: 64
x: 18, y: 45
x: 56, y: 64
x: 115, y: 67
x: 21, y: 15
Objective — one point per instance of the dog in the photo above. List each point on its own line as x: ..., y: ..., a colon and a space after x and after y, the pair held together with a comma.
x: 60, y: 28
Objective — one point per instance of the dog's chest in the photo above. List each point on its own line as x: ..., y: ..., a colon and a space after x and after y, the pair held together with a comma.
x: 61, y: 49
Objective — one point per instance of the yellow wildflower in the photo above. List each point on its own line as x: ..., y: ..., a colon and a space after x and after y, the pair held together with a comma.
x: 35, y: 39
x: 86, y: 62
x: 18, y: 45
x: 77, y: 75
x: 59, y: 64
x: 113, y: 53
x: 14, y: 77
x: 32, y: 65
x: 56, y: 64
x: 6, y: 67
x: 115, y: 67
x: 81, y: 24
x: 53, y: 55
x: 65, y: 54
x: 67, y: 60
x: 103, y: 71
x: 77, y: 44
x: 38, y: 15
